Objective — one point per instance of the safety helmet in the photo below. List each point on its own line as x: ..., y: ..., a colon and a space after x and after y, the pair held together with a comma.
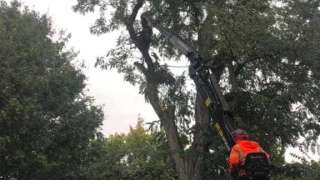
x: 240, y: 134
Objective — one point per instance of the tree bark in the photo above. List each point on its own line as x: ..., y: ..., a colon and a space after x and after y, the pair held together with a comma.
x: 200, y: 142
x: 188, y: 165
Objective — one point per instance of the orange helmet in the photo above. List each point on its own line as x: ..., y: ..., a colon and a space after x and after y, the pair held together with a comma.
x: 240, y: 134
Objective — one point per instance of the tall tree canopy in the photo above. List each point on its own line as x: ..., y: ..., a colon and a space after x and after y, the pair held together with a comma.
x: 264, y: 54
x: 138, y: 155
x: 46, y: 121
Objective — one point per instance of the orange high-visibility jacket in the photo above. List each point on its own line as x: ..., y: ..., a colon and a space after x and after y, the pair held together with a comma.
x: 240, y: 151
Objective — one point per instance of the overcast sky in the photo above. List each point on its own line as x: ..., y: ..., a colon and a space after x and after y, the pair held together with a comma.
x: 122, y: 103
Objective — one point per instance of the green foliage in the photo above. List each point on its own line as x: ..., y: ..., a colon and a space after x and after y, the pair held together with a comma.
x: 46, y: 121
x: 296, y: 171
x: 139, y: 155
x: 265, y: 54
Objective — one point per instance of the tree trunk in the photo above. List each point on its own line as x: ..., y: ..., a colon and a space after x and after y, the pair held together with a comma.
x: 188, y: 164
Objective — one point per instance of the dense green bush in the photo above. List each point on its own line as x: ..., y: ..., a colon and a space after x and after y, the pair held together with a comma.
x: 46, y: 122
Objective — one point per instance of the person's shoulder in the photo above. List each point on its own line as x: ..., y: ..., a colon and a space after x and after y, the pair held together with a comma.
x: 236, y: 146
x: 249, y: 142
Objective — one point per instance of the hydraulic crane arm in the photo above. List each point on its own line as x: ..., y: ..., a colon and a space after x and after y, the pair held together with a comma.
x: 206, y: 84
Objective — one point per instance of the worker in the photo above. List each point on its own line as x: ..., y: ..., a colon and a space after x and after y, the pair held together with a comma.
x: 247, y: 160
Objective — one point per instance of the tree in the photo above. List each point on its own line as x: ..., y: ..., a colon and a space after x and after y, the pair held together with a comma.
x: 139, y: 155
x: 263, y: 53
x: 46, y: 121
x: 297, y: 171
